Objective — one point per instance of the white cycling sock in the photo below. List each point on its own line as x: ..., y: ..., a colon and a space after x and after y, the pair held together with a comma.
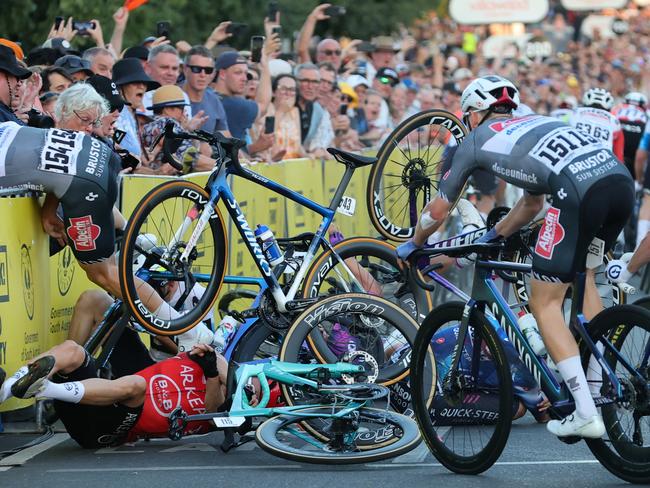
x: 574, y: 377
x: 71, y: 392
x: 642, y: 228
x: 595, y: 373
x: 167, y: 312
x: 5, y: 391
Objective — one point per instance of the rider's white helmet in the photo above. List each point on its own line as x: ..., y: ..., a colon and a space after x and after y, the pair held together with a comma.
x: 636, y: 98
x: 489, y: 91
x: 599, y: 98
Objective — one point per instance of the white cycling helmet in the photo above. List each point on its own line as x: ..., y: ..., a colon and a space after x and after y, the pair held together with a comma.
x: 599, y: 98
x: 636, y: 98
x: 489, y: 91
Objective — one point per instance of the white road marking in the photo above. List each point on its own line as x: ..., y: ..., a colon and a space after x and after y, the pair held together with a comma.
x: 25, y: 455
x: 297, y: 466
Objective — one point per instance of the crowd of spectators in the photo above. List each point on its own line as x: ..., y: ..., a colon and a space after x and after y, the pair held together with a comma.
x: 344, y: 92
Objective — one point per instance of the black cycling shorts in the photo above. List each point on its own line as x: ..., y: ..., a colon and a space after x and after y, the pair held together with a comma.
x: 485, y: 182
x: 94, y: 427
x: 572, y: 223
x: 88, y: 216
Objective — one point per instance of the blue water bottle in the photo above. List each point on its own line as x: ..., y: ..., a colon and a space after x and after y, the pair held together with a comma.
x: 270, y: 247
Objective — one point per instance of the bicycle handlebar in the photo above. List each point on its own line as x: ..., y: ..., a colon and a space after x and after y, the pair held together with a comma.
x: 174, y: 139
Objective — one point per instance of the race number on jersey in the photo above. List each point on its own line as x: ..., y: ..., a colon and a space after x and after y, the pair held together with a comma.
x: 60, y: 151
x: 562, y: 145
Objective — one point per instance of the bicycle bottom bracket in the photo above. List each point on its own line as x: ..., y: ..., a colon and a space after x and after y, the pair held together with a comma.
x: 342, y: 432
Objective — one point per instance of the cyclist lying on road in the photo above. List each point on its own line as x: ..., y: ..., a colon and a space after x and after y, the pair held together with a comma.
x: 100, y: 413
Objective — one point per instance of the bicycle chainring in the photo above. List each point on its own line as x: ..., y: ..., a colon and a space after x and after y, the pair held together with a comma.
x: 271, y: 316
x: 364, y: 392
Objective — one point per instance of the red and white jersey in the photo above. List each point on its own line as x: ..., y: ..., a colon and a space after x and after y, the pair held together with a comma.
x: 600, y: 124
x: 172, y: 383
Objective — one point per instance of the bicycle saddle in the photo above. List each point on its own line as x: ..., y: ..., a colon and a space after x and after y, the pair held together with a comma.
x: 351, y: 159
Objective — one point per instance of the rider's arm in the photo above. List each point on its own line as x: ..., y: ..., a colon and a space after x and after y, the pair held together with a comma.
x: 50, y: 221
x: 523, y: 212
x: 433, y: 216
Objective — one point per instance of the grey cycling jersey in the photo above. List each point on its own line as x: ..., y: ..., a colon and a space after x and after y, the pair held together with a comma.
x: 530, y: 152
x: 49, y: 159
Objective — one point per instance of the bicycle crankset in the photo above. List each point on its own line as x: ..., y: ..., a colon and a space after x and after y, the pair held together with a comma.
x: 363, y: 392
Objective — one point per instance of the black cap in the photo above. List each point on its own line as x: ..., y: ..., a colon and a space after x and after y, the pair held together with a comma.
x: 388, y: 73
x: 137, y: 52
x: 74, y: 64
x: 9, y: 64
x: 107, y: 89
x: 228, y: 59
x: 130, y: 70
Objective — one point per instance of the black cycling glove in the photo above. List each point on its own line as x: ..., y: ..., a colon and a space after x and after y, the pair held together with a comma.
x: 208, y: 363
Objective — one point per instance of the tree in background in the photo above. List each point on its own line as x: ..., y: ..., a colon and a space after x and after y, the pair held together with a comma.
x: 29, y: 21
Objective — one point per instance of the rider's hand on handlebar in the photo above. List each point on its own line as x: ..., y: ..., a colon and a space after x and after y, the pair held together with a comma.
x: 403, y: 251
x: 616, y: 270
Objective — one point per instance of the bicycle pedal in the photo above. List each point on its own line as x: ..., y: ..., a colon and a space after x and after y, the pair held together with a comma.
x: 571, y: 439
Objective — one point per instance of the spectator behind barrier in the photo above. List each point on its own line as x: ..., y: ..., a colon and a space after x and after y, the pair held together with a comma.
x: 12, y: 76
x: 55, y: 80
x: 199, y: 71
x: 168, y: 103
x: 315, y: 123
x: 132, y: 81
x: 101, y: 61
x: 164, y: 66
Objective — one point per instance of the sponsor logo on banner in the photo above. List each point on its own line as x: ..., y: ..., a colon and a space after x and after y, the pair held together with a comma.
x: 65, y: 270
x: 4, y: 275
x: 592, y: 4
x: 83, y: 233
x: 502, y: 11
x: 27, y: 279
x: 165, y: 394
x: 551, y: 234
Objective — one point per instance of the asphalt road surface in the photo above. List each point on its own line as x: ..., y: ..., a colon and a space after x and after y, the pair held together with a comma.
x: 533, y: 457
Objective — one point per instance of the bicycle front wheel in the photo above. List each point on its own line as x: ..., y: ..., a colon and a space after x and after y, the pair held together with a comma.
x: 467, y: 421
x: 408, y: 171
x: 283, y: 436
x: 160, y: 229
x: 625, y: 448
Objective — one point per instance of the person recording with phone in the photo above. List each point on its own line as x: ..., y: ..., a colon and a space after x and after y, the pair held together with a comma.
x: 327, y: 50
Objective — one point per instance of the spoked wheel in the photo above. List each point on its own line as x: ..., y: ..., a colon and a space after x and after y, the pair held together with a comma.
x: 467, y: 421
x: 625, y: 448
x: 285, y: 437
x: 160, y: 232
x: 366, y: 265
x: 408, y: 171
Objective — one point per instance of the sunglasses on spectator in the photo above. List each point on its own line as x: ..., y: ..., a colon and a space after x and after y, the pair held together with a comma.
x: 386, y: 81
x: 308, y: 81
x: 87, y: 122
x: 208, y: 70
x: 330, y: 52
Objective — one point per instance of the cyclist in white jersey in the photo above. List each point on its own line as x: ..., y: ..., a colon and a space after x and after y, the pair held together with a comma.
x: 592, y: 194
x: 594, y: 118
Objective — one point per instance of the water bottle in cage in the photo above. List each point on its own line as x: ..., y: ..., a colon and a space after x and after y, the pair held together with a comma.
x: 269, y: 245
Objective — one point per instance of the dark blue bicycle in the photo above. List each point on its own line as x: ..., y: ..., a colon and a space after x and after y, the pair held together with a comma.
x: 615, y: 351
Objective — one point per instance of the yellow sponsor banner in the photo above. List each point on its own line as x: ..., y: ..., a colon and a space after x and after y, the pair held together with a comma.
x: 24, y: 297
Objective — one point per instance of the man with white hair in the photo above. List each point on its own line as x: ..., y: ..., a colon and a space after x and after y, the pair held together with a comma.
x: 101, y: 61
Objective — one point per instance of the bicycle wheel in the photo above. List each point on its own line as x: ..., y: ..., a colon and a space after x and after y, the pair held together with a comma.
x: 467, y: 421
x: 283, y: 436
x: 360, y: 329
x: 408, y: 171
x: 374, y: 268
x: 625, y: 448
x: 160, y: 229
